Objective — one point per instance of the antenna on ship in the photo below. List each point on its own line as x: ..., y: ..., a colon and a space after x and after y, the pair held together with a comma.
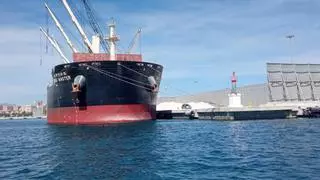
x: 112, y: 40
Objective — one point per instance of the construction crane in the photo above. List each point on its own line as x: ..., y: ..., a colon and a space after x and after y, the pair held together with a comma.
x: 95, y: 25
x: 78, y: 26
x: 58, y: 24
x: 55, y: 44
x: 134, y: 40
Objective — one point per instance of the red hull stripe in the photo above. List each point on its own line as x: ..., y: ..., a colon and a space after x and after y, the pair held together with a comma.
x: 104, y: 114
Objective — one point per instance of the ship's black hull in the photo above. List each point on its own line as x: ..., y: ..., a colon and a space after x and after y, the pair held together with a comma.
x: 100, y: 92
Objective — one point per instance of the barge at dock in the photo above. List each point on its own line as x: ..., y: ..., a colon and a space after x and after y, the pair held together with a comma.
x: 231, y: 114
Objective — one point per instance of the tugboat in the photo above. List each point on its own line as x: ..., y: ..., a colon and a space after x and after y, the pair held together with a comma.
x: 100, y: 87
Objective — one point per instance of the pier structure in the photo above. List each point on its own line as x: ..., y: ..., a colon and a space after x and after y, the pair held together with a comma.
x: 291, y: 90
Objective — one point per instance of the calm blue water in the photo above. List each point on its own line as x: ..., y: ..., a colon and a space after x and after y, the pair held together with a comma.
x: 279, y: 149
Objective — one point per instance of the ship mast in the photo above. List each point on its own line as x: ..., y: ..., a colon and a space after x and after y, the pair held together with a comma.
x: 79, y: 28
x: 61, y: 29
x: 112, y: 40
x: 55, y: 45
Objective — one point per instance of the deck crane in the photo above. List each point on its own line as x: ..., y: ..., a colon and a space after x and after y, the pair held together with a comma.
x: 55, y: 45
x: 134, y: 40
x: 79, y: 28
x: 58, y: 24
x: 95, y: 25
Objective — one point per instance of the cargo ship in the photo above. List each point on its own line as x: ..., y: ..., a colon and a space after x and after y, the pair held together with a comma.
x: 97, y: 88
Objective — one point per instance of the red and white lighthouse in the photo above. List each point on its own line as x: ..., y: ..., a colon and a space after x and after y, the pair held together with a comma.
x: 234, y: 83
x: 234, y: 96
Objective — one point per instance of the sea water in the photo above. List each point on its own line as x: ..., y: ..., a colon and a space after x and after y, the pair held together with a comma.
x: 164, y: 149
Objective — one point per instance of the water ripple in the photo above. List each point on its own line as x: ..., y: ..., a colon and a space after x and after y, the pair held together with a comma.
x: 280, y: 149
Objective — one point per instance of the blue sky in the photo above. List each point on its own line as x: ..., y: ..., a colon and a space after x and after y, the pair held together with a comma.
x: 200, y: 43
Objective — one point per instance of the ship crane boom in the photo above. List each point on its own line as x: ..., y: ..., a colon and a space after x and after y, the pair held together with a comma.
x: 134, y: 40
x: 95, y: 25
x: 58, y: 24
x: 78, y: 26
x: 55, y: 45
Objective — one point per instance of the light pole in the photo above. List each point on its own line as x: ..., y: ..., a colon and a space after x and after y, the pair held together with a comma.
x: 290, y: 37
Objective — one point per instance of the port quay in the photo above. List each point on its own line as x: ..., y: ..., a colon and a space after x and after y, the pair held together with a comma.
x: 291, y: 91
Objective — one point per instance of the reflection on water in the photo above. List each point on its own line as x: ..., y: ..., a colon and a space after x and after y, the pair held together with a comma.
x: 106, y: 151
